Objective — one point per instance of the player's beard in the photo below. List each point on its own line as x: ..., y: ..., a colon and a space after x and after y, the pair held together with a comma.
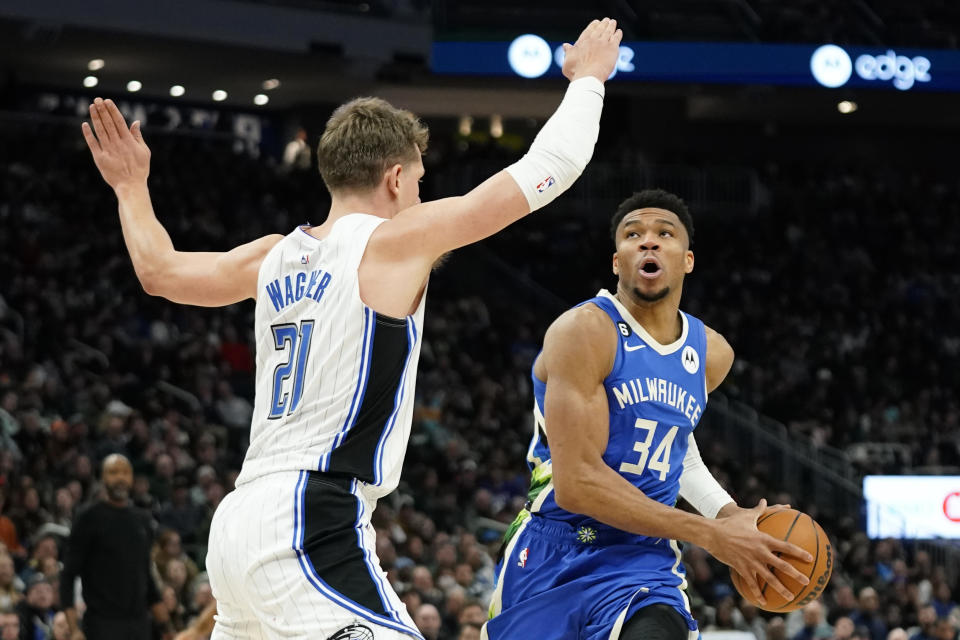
x: 651, y: 297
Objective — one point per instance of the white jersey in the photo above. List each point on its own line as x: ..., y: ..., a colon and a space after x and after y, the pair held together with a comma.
x: 335, y: 379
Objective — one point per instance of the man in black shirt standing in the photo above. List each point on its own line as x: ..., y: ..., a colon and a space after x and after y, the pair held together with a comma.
x: 109, y: 549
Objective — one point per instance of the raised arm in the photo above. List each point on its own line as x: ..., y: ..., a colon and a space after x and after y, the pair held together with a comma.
x: 577, y: 356
x: 401, y: 252
x: 207, y: 279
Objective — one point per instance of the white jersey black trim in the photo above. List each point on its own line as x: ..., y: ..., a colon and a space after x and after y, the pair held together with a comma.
x: 328, y: 539
x: 359, y: 452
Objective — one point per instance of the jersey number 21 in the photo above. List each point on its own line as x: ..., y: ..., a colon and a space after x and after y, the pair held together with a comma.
x: 298, y: 341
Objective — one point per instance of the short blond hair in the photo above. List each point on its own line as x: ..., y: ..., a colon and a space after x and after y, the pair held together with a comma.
x: 363, y: 138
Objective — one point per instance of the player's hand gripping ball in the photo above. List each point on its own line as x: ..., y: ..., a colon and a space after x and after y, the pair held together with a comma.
x: 800, y: 529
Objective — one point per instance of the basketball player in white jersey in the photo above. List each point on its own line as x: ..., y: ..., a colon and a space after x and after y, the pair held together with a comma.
x: 339, y: 316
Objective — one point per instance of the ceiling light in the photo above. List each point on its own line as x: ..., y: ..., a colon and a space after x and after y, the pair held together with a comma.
x: 177, y: 90
x: 90, y: 82
x: 260, y: 99
x: 271, y: 84
x: 95, y: 65
x: 847, y: 106
x: 219, y: 95
x: 134, y: 85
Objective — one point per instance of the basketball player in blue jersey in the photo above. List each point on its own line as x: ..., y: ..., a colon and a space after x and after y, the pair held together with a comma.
x: 619, y: 388
x: 338, y: 322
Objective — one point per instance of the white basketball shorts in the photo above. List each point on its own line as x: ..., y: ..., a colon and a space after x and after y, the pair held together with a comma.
x: 293, y: 555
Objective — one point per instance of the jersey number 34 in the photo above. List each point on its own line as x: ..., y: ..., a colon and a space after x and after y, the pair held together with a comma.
x: 297, y: 340
x: 661, y: 456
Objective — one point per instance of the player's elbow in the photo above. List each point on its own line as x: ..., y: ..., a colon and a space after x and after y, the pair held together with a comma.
x: 150, y: 281
x: 570, y: 495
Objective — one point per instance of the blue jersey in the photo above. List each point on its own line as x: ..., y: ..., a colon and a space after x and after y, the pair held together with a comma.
x: 656, y: 395
x: 564, y: 575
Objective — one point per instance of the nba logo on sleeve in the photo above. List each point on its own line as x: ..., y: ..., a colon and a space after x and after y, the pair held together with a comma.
x: 546, y: 184
x: 690, y: 359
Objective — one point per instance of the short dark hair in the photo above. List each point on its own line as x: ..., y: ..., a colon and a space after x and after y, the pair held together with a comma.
x: 652, y: 198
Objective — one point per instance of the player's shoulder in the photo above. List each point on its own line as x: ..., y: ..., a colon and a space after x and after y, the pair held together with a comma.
x: 717, y: 344
x: 583, y: 322
x: 583, y: 337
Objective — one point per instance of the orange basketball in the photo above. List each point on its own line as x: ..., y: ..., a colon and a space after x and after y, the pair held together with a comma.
x: 800, y: 529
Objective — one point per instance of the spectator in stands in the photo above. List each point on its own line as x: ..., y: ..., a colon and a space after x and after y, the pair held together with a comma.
x: 296, y: 155
x: 8, y: 530
x: 9, y: 626
x: 927, y: 620
x: 945, y: 630
x: 868, y: 615
x: 814, y: 626
x: 45, y: 548
x: 11, y: 587
x: 843, y: 629
x: 61, y: 628
x: 36, y: 610
x: 942, y: 601
x: 109, y: 549
x: 427, y: 619
x: 469, y: 632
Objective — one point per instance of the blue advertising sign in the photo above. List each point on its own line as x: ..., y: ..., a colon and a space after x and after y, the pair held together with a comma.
x: 831, y: 66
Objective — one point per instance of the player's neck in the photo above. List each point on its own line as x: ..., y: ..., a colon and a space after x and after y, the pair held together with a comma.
x: 375, y: 203
x: 661, y: 319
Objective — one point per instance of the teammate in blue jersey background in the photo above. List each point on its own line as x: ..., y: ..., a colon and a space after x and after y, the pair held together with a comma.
x: 620, y: 386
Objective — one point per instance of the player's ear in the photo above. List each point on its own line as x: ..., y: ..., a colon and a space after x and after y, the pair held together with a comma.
x: 392, y: 178
x: 688, y: 259
x: 616, y: 265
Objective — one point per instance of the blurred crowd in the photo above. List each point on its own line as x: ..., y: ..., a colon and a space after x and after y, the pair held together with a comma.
x: 847, y: 279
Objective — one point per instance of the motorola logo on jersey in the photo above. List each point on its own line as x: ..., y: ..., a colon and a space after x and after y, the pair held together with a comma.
x: 832, y: 67
x: 690, y: 359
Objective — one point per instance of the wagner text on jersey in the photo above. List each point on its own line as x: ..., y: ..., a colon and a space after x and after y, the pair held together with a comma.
x: 296, y: 287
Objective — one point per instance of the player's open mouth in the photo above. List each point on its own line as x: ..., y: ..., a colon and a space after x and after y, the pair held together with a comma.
x: 650, y: 268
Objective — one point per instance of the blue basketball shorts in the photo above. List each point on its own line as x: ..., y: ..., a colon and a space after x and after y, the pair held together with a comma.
x: 556, y: 582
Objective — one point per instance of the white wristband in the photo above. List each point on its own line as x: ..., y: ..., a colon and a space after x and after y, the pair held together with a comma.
x: 698, y: 486
x: 564, y: 145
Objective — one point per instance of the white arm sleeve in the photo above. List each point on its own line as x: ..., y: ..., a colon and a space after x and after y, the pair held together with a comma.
x: 564, y: 145
x: 698, y: 486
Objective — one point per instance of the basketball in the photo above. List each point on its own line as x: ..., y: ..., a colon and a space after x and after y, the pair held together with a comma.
x: 800, y: 529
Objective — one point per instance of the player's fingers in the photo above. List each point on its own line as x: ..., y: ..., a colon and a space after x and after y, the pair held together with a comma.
x: 98, y: 123
x: 774, y: 583
x: 90, y: 138
x: 617, y: 36
x: 588, y: 29
x: 106, y: 121
x: 788, y: 570
x: 753, y: 587
x: 119, y: 123
x: 789, y: 549
x: 136, y: 133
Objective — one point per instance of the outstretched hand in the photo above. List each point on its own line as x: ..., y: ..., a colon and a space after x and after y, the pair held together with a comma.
x: 595, y: 53
x: 753, y: 554
x: 120, y: 154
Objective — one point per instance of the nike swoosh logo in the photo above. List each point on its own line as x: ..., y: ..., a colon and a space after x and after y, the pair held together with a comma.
x: 634, y: 347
